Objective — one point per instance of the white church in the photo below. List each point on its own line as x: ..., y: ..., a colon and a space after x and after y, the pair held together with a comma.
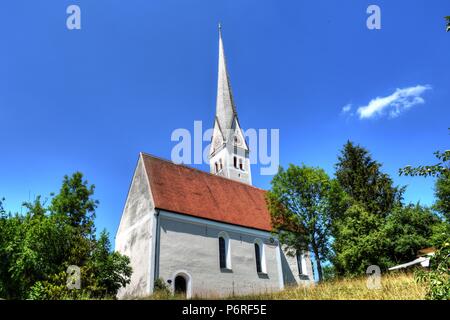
x: 205, y: 234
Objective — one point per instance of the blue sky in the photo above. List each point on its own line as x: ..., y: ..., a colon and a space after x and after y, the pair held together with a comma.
x: 92, y: 99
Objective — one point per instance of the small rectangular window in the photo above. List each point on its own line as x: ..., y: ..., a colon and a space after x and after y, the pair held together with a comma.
x: 241, y: 164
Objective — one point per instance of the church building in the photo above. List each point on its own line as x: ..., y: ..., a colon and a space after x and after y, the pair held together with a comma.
x: 205, y: 234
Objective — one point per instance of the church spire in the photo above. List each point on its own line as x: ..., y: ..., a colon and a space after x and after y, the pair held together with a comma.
x: 229, y: 154
x: 225, y: 108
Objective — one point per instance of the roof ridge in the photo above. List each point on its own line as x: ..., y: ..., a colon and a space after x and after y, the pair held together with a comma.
x: 201, y: 171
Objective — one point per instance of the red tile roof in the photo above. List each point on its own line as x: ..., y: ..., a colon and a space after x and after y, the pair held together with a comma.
x: 185, y: 190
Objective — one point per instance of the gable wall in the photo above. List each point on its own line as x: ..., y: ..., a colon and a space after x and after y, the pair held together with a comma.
x: 134, y: 236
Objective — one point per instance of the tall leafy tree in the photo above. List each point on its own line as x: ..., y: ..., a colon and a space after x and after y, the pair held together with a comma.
x: 75, y: 208
x: 360, y: 176
x: 299, y: 204
x: 363, y: 198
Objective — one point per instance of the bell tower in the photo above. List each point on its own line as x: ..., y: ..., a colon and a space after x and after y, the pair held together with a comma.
x: 229, y: 153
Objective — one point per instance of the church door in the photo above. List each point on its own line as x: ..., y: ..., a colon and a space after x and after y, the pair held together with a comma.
x: 180, y: 285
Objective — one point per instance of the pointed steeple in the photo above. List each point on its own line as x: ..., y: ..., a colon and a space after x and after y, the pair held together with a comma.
x: 229, y: 153
x: 225, y: 108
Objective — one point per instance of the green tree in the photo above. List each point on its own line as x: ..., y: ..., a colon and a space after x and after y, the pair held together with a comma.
x: 111, y: 269
x: 359, y: 241
x: 409, y: 229
x: 438, y: 279
x: 361, y: 200
x: 74, y: 203
x: 361, y: 179
x: 37, y: 248
x: 299, y: 204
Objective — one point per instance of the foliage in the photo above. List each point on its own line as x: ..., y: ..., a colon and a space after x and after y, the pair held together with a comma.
x: 440, y: 234
x: 359, y: 242
x: 442, y: 167
x: 441, y: 171
x: 362, y: 199
x: 37, y: 248
x: 161, y: 287
x: 409, y: 229
x: 370, y: 224
x: 360, y: 213
x: 361, y: 178
x: 329, y: 273
x: 442, y: 194
x: 438, y: 279
x: 299, y: 204
x: 55, y: 288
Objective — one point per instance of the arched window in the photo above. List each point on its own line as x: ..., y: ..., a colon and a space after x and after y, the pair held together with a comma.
x: 301, y: 263
x: 216, y: 167
x: 235, y: 162
x: 220, y: 164
x: 224, y: 251
x: 260, y: 257
x: 241, y: 164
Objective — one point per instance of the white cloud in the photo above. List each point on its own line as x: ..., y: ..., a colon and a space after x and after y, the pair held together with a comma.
x: 347, y: 108
x: 394, y: 104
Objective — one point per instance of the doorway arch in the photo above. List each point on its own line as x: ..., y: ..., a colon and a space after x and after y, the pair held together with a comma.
x: 182, y: 284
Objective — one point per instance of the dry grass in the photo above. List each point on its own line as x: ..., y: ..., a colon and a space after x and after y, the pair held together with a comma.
x: 394, y: 287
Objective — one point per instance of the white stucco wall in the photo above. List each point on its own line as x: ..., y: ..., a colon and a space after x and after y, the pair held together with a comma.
x: 193, y: 248
x: 134, y: 236
x: 291, y: 274
x: 174, y: 243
